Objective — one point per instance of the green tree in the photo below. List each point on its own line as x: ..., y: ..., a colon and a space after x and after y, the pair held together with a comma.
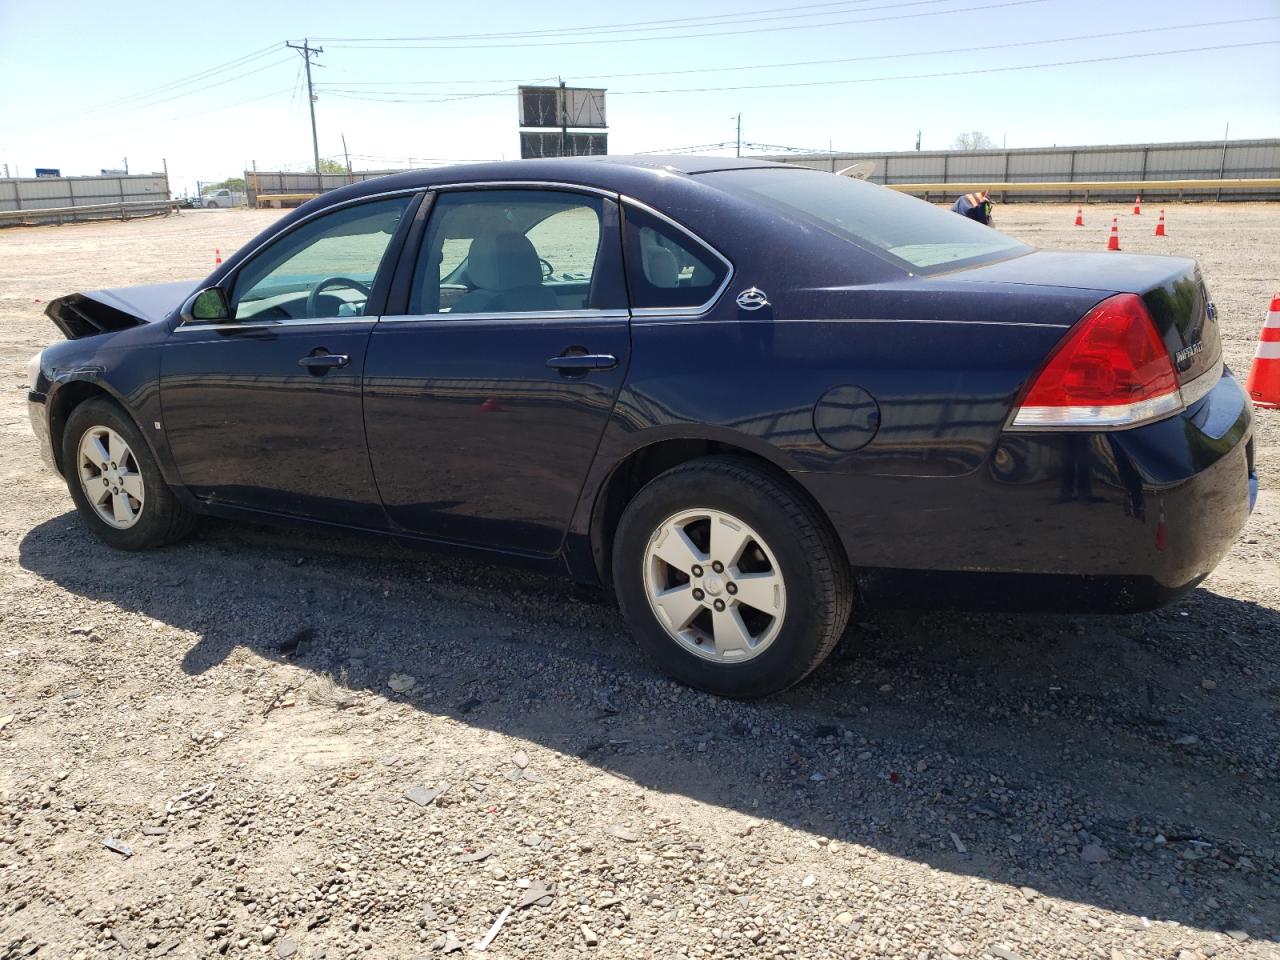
x: 328, y: 166
x: 234, y: 184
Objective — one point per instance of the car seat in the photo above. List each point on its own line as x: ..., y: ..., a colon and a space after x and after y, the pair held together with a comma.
x: 507, y: 276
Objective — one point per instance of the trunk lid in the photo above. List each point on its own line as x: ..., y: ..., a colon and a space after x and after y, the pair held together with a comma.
x: 93, y: 312
x: 1170, y: 287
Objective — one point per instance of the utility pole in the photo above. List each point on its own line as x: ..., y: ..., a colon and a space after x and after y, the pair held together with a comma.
x: 564, y: 121
x: 1222, y: 168
x: 347, y: 157
x: 738, y: 152
x: 126, y: 165
x: 307, y: 50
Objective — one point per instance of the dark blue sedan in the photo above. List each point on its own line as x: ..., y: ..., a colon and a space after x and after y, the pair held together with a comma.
x: 747, y: 396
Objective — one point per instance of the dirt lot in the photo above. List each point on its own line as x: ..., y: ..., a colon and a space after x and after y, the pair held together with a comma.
x: 946, y: 786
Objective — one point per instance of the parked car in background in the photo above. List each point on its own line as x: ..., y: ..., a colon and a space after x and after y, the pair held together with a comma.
x: 223, y: 198
x: 747, y: 396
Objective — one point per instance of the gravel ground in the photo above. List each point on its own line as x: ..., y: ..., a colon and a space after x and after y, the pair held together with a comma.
x: 272, y: 743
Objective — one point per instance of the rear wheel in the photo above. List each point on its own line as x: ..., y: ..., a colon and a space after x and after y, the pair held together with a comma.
x: 115, y: 482
x: 729, y: 578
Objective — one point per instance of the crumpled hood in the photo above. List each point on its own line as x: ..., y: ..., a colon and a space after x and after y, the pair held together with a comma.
x: 103, y: 311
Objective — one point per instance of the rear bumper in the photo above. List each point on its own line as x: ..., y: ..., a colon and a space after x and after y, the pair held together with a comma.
x: 1118, y: 521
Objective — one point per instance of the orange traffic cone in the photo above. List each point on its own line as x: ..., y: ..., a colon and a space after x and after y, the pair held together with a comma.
x: 1079, y: 216
x: 1137, y: 206
x: 1160, y: 225
x: 1114, y: 242
x: 1263, y: 385
x: 217, y: 257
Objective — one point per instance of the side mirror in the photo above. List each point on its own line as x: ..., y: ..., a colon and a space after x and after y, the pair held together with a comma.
x: 210, y: 304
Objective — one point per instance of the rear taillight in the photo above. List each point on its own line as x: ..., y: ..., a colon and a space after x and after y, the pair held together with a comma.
x: 1111, y: 370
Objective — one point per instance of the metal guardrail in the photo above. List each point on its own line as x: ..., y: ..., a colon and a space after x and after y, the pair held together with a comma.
x: 1090, y: 186
x: 96, y: 211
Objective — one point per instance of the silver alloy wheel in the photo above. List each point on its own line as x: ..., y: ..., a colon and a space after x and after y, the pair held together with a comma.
x: 110, y: 477
x: 714, y: 585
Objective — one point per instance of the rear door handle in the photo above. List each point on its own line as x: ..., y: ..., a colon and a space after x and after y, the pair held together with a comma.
x: 325, y: 361
x: 580, y: 363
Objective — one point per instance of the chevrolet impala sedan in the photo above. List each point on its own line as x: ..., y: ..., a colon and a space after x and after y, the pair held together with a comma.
x: 745, y: 396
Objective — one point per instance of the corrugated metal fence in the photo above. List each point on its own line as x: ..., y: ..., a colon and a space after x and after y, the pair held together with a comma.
x: 64, y: 199
x: 1196, y: 160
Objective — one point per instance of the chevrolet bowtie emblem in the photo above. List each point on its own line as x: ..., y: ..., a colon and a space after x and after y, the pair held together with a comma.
x: 752, y: 298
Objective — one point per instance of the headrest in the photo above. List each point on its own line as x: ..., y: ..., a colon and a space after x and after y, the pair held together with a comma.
x: 503, y: 261
x: 660, y: 266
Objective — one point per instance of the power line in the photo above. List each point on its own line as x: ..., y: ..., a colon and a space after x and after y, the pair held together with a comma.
x: 297, y: 84
x: 171, y: 85
x: 914, y: 76
x: 440, y: 96
x: 637, y: 26
x: 955, y: 73
x: 692, y: 36
x: 197, y: 113
x: 113, y: 113
x: 347, y: 85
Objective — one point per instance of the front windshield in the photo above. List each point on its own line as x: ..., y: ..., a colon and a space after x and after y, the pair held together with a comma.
x: 910, y: 233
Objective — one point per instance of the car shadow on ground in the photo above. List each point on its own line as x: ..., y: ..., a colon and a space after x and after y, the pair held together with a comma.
x: 995, y: 746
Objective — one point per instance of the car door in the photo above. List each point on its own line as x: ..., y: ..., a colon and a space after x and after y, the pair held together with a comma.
x: 486, y: 395
x: 262, y: 409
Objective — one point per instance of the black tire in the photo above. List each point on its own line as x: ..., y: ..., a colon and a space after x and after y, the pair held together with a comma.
x: 819, y: 585
x: 163, y: 519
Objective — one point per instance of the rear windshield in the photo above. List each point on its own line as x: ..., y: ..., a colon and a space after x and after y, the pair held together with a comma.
x: 910, y: 233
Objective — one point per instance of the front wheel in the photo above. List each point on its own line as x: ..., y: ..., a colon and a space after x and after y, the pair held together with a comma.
x: 115, y: 481
x: 730, y: 579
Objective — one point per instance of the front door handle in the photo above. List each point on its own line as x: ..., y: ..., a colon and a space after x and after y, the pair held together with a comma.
x: 583, y: 362
x: 324, y: 361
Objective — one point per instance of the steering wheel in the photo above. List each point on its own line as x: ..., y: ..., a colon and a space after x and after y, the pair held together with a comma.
x: 548, y: 271
x: 313, y: 298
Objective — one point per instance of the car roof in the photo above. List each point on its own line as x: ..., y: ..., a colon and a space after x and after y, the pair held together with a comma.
x: 637, y: 175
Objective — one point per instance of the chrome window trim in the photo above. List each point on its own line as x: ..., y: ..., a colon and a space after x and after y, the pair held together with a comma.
x: 522, y: 185
x: 512, y: 315
x: 683, y: 312
x: 707, y: 305
x: 192, y: 326
x: 521, y: 314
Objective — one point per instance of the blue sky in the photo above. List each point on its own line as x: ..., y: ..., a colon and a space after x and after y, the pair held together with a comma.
x: 65, y: 69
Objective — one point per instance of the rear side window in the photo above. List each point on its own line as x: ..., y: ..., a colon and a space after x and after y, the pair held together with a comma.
x: 668, y: 268
x: 912, y: 234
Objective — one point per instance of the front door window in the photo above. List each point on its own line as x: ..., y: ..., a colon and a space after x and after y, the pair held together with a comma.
x: 325, y: 268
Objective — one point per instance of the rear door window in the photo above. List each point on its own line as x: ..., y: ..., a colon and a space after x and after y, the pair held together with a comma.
x: 668, y: 268
x: 518, y: 251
